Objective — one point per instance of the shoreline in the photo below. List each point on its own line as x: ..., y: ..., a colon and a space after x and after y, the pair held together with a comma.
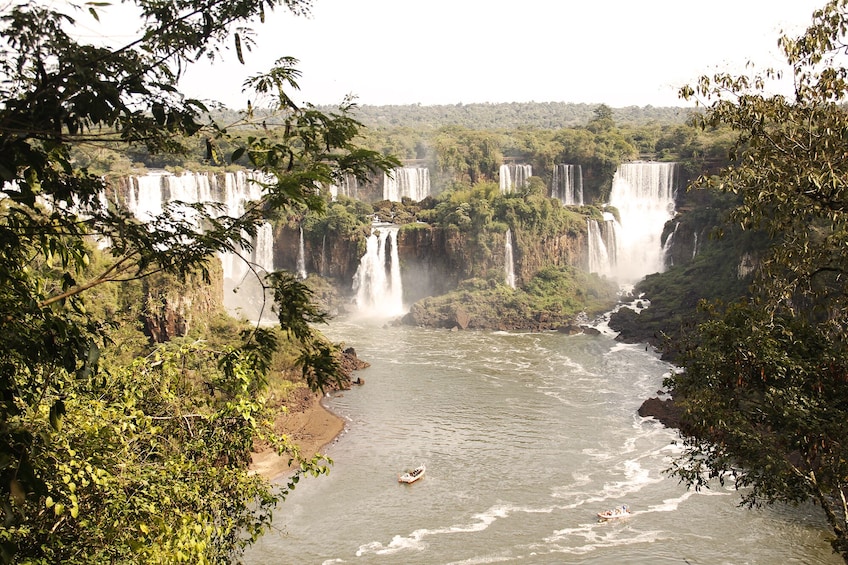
x: 310, y: 425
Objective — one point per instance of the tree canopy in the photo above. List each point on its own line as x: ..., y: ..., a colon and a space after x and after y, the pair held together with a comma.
x: 765, y: 384
x: 146, y: 462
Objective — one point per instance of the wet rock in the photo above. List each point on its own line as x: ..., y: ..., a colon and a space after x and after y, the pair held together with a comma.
x: 666, y: 411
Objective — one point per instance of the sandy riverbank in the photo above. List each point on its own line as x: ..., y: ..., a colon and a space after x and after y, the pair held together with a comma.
x: 310, y: 426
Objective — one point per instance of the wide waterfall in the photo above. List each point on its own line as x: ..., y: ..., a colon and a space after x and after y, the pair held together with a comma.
x: 509, y: 262
x: 149, y: 193
x: 643, y: 194
x: 377, y: 282
x: 514, y: 176
x: 567, y: 184
x: 407, y: 182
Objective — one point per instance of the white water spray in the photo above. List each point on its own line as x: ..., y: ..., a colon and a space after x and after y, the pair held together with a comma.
x: 377, y: 282
x: 643, y: 193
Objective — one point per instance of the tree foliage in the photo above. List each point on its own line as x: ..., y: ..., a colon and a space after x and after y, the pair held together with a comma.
x: 765, y: 387
x: 148, y: 462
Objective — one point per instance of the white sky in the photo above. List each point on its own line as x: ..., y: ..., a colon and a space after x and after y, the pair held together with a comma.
x: 617, y: 52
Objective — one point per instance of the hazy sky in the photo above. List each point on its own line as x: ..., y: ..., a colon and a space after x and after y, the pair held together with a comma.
x: 617, y: 52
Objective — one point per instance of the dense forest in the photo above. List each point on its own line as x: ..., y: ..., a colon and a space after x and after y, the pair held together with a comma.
x: 512, y: 116
x: 495, y: 116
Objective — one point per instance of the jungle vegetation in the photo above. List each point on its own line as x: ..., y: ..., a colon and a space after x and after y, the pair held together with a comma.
x: 765, y: 380
x: 113, y: 450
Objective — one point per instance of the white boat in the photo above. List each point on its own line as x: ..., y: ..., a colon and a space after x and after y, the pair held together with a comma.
x: 613, y: 513
x: 413, y: 475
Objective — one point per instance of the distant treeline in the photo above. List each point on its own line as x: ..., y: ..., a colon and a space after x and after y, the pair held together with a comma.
x: 508, y: 116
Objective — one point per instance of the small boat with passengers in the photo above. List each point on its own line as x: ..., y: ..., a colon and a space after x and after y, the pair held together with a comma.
x: 617, y: 512
x: 413, y: 475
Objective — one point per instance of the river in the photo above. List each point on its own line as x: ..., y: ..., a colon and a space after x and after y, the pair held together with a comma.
x: 526, y: 436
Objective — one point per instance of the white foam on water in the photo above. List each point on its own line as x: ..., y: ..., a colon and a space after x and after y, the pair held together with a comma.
x: 415, y: 540
x: 593, y: 536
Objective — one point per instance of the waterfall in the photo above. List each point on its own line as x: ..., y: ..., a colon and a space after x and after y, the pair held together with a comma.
x: 347, y: 186
x: 377, y: 282
x: 609, y: 231
x: 301, y: 258
x: 599, y: 260
x: 514, y: 176
x: 603, y: 245
x: 148, y: 195
x: 509, y: 263
x: 643, y: 193
x: 567, y: 184
x: 407, y: 182
x: 669, y: 259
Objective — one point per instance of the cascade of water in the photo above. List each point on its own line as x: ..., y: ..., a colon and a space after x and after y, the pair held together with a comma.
x: 409, y: 182
x: 667, y: 259
x: 599, y: 260
x: 263, y: 249
x: 505, y: 178
x: 567, y: 184
x: 509, y: 263
x: 695, y: 248
x: 514, y: 176
x: 347, y: 186
x: 239, y: 191
x: 643, y: 193
x: 301, y: 257
x: 149, y: 193
x: 377, y: 281
x: 609, y: 231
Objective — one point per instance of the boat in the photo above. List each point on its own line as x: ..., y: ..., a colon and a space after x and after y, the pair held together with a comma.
x: 413, y: 475
x: 617, y: 512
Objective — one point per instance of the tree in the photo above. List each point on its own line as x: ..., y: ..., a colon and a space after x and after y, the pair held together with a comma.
x: 765, y: 383
x: 140, y: 464
x: 602, y: 120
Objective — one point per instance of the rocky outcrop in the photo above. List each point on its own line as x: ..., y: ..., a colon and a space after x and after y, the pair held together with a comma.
x: 434, y: 260
x: 350, y: 363
x: 665, y: 411
x: 330, y: 255
x: 171, y: 307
